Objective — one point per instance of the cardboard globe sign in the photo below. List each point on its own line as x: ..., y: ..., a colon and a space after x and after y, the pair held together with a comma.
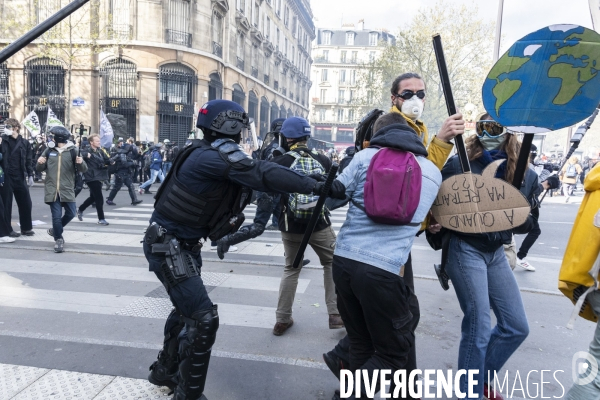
x: 548, y: 80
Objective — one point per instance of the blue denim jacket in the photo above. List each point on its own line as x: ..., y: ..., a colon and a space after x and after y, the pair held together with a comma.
x: 360, y: 238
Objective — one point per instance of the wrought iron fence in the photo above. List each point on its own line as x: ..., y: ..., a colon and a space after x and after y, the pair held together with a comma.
x: 176, y: 102
x: 45, y: 79
x: 178, y: 37
x: 118, y: 92
x: 217, y: 49
x: 4, y: 91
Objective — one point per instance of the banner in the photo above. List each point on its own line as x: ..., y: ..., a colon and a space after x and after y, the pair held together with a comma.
x: 32, y: 123
x: 53, y: 119
x: 106, y: 131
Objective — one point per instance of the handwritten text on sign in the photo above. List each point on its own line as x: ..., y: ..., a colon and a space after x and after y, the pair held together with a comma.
x: 472, y: 203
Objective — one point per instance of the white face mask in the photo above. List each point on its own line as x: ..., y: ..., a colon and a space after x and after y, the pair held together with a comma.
x: 413, y: 108
x: 8, y: 131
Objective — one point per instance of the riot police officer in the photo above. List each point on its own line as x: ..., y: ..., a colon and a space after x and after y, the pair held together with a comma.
x: 203, y: 196
x: 125, y: 165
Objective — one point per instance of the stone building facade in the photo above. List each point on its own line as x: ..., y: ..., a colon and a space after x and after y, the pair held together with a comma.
x: 155, y: 62
x: 339, y: 54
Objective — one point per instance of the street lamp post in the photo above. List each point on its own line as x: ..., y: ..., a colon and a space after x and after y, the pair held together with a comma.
x: 498, y: 30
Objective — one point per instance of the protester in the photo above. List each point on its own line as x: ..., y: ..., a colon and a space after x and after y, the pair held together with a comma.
x: 577, y: 282
x: 568, y: 175
x: 97, y: 161
x: 155, y: 169
x: 38, y: 149
x: 479, y: 270
x: 295, y: 132
x: 5, y: 228
x: 408, y: 87
x: 379, y: 309
x: 169, y: 152
x: 59, y: 190
x: 17, y: 154
x: 142, y: 162
x: 350, y: 151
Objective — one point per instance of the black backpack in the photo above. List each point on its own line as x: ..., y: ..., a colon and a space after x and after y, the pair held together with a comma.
x: 364, y: 130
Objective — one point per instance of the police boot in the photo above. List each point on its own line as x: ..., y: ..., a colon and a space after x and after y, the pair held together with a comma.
x: 195, y: 354
x: 133, y: 195
x: 244, y: 233
x: 163, y: 372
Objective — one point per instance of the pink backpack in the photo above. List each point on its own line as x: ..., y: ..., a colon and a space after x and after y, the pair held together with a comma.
x: 393, y: 187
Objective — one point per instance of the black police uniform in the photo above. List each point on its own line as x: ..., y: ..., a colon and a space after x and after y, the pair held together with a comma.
x: 124, y: 159
x: 207, y: 184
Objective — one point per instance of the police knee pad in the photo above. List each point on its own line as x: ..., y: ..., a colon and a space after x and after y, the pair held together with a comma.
x: 203, y: 332
x: 265, y: 202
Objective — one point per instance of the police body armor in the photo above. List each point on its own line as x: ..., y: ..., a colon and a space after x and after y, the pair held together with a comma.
x: 220, y: 209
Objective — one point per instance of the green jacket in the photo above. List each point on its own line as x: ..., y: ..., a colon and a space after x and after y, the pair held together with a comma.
x: 60, y: 174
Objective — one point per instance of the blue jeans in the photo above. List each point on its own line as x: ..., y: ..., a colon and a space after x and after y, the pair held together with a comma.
x: 592, y: 389
x: 166, y: 167
x: 481, y: 279
x: 154, y: 173
x: 59, y: 221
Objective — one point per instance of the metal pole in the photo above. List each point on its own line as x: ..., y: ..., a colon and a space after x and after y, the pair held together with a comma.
x: 498, y: 30
x: 40, y: 29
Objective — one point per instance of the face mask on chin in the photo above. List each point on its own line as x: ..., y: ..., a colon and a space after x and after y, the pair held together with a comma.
x: 413, y: 108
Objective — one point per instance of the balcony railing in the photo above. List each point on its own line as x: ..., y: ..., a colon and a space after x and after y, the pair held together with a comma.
x: 266, y: 79
x: 217, y: 49
x: 120, y: 32
x: 178, y: 37
x: 240, y: 63
x: 254, y: 72
x: 321, y: 59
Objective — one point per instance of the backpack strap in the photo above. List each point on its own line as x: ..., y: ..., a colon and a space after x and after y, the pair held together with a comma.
x: 362, y: 208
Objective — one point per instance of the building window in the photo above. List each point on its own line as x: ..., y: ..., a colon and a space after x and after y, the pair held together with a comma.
x: 371, y: 56
x: 350, y: 115
x: 119, y: 26
x: 285, y: 49
x: 352, y: 77
x: 215, y: 87
x: 326, y: 55
x: 349, y: 38
x: 256, y: 16
x: 286, y: 16
x: 46, y: 8
x: 268, y: 28
x: 278, y: 8
x: 343, y: 56
x: 217, y: 34
x: 45, y: 80
x: 241, y: 6
x: 354, y: 58
x: 295, y: 26
x: 342, y: 76
x: 238, y: 95
x: 341, y: 95
x: 340, y: 115
x: 178, y: 23
x: 324, y: 75
x: 373, y: 36
x: 323, y: 95
x: 322, y: 114
x: 176, y: 102
x: 352, y: 94
x: 119, y: 83
x: 326, y: 38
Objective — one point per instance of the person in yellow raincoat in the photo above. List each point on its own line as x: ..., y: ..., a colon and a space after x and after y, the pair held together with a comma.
x: 574, y: 278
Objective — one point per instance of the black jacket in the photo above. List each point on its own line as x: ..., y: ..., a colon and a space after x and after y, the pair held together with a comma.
x: 488, y: 242
x: 286, y: 160
x: 19, y: 161
x: 97, y: 164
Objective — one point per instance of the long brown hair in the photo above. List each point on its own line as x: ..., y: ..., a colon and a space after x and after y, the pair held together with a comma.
x: 511, y: 146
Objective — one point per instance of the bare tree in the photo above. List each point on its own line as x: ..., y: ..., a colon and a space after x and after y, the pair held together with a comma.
x: 468, y: 46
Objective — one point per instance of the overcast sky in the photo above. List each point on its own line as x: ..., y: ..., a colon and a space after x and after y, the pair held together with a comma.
x: 520, y: 16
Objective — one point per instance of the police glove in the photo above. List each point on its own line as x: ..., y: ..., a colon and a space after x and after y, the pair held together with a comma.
x: 553, y: 181
x: 222, y: 247
x: 318, y: 177
x: 337, y: 191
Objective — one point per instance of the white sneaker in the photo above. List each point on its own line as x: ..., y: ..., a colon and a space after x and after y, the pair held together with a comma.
x: 8, y: 239
x: 525, y: 265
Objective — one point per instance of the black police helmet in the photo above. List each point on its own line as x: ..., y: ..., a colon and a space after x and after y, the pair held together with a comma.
x: 295, y: 128
x: 60, y: 133
x: 222, y: 116
x: 276, y: 125
x: 350, y: 151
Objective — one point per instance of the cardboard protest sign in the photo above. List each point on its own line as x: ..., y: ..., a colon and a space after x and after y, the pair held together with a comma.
x: 32, y: 123
x: 472, y: 203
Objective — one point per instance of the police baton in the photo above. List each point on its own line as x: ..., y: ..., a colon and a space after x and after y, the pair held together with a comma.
x: 314, y: 218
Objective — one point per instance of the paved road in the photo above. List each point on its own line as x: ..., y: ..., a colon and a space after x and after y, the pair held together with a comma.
x: 91, y: 319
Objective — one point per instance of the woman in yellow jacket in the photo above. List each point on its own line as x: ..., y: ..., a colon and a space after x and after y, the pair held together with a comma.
x: 574, y: 279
